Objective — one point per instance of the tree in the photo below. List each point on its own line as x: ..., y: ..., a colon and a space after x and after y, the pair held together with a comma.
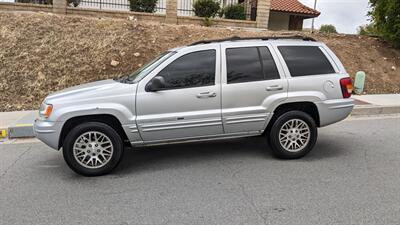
x: 385, y: 15
x: 328, y: 29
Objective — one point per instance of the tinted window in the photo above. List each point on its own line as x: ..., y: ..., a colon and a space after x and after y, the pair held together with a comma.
x: 250, y: 64
x: 191, y: 70
x: 243, y: 65
x: 305, y: 60
x: 269, y: 66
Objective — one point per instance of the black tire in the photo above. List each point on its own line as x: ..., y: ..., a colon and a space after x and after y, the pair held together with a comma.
x: 273, y: 136
x: 76, y: 132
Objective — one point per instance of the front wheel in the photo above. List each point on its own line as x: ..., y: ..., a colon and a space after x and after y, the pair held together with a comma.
x: 92, y: 149
x: 292, y: 135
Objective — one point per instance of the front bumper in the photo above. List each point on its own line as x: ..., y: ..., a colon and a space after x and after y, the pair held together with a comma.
x: 48, y: 132
x: 332, y: 111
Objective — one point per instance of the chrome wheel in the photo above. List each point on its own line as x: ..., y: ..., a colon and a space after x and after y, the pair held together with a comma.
x: 93, y: 149
x: 294, y: 135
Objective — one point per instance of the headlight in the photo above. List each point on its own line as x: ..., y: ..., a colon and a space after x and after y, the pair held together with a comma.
x: 45, y: 110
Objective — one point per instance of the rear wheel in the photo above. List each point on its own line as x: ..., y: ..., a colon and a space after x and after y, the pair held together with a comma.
x: 292, y: 135
x: 92, y: 149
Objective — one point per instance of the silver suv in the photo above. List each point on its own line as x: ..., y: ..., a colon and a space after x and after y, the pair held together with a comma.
x: 282, y: 88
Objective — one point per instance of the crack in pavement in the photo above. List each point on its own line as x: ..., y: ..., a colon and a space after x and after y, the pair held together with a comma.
x: 244, y: 193
x: 12, y: 164
x: 247, y: 197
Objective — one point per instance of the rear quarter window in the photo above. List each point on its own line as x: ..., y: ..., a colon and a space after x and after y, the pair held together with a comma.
x: 305, y: 60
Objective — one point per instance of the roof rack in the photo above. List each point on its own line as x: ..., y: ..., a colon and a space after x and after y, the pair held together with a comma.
x: 237, y: 38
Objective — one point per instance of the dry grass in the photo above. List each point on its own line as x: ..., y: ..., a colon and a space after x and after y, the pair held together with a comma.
x: 41, y: 53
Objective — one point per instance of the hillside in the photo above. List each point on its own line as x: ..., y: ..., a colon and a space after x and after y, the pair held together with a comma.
x: 41, y: 53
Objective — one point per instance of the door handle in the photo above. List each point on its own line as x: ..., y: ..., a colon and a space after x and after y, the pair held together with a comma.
x: 274, y: 88
x: 206, y: 95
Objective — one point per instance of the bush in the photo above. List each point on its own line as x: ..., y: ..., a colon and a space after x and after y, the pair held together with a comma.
x: 235, y: 12
x: 385, y: 16
x: 328, y: 29
x: 206, y: 8
x: 148, y: 6
x: 369, y: 30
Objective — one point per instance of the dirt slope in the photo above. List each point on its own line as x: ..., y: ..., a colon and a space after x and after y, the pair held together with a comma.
x: 41, y: 53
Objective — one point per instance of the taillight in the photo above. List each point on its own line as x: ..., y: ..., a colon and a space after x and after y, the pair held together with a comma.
x: 347, y: 87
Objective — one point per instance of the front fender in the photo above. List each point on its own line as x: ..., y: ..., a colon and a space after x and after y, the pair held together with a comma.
x: 121, y: 112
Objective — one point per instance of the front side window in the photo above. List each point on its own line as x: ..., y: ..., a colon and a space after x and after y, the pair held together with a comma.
x: 191, y: 70
x: 146, y: 69
x: 250, y: 64
x: 305, y: 60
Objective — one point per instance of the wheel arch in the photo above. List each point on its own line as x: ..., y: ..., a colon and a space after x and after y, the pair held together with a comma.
x: 305, y: 106
x: 108, y: 119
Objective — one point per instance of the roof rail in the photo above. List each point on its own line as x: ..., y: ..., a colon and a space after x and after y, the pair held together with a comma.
x: 237, y: 38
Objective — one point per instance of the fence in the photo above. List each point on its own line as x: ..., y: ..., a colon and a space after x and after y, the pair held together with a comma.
x: 43, y: 2
x: 118, y: 5
x: 165, y: 11
x: 185, y: 7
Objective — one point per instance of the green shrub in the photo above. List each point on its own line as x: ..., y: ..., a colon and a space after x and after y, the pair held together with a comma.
x: 206, y: 8
x: 328, y: 29
x: 369, y: 30
x: 235, y: 12
x: 148, y: 6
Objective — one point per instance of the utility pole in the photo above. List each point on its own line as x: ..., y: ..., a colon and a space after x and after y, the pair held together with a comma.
x: 312, y: 23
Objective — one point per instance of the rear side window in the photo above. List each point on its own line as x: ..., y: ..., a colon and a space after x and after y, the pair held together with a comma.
x: 250, y: 64
x: 305, y: 60
x: 191, y: 70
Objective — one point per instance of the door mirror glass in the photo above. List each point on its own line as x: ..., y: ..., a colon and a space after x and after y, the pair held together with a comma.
x: 156, y: 84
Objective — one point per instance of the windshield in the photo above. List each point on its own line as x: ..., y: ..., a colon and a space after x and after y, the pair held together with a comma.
x: 146, y: 69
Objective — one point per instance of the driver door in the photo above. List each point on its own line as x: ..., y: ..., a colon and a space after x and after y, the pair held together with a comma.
x: 189, y: 104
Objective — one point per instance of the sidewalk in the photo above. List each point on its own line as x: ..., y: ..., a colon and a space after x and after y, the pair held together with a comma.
x: 20, y: 124
x: 376, y: 104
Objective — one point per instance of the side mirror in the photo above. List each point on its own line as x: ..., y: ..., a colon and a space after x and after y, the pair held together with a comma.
x: 156, y: 84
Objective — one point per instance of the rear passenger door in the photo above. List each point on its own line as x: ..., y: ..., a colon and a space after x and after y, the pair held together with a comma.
x: 250, y: 76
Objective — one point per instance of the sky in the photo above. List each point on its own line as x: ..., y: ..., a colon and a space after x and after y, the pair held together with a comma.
x: 345, y: 15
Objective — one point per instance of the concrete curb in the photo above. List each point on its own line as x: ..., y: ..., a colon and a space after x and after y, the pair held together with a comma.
x: 370, y: 110
x: 21, y: 128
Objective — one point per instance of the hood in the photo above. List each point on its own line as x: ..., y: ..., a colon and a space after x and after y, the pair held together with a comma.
x: 83, y: 89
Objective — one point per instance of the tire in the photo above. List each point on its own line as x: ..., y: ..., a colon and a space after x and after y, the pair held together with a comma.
x: 294, y: 143
x: 80, y: 153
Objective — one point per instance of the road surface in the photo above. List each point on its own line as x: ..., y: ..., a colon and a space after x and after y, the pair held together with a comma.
x: 351, y: 177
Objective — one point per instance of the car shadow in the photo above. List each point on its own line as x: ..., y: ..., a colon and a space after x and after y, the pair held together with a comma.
x: 155, y: 158
x: 175, y: 155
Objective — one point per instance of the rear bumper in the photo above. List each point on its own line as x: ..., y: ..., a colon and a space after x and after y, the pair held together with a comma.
x: 48, y: 132
x: 332, y: 111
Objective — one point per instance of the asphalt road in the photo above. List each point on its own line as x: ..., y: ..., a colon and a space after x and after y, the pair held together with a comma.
x: 351, y: 177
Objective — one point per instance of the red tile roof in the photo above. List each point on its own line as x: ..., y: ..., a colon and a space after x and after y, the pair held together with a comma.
x: 293, y: 6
